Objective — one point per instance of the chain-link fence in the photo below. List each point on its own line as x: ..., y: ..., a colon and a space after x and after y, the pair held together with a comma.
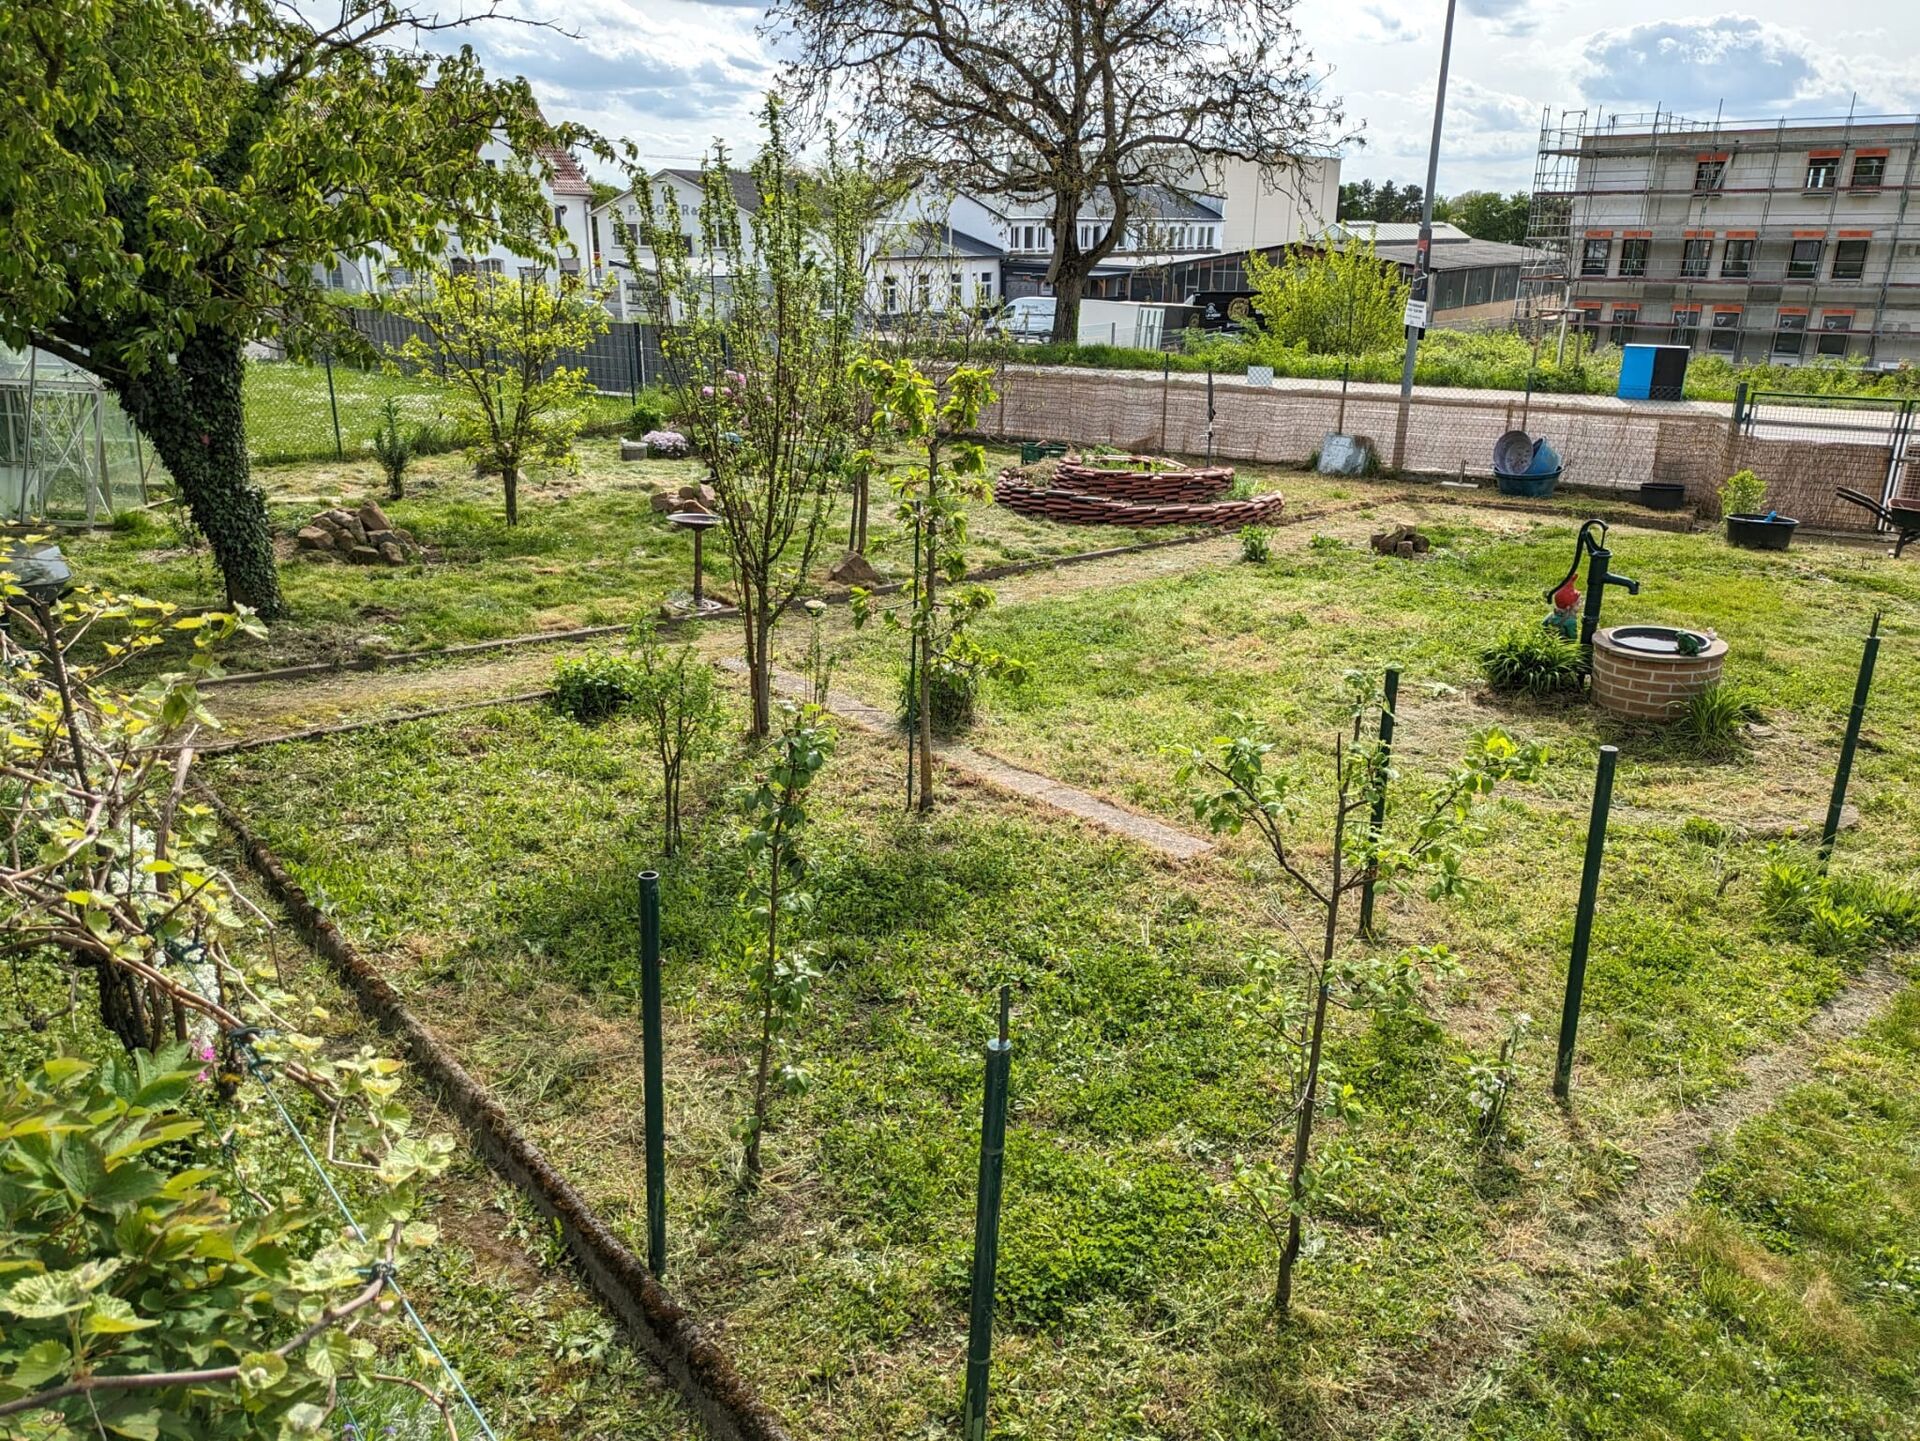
x: 329, y: 408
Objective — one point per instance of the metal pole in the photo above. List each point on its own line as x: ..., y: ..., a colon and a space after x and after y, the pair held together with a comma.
x: 698, y: 598
x: 1583, y: 918
x: 1423, y: 251
x: 333, y: 405
x: 1597, y: 569
x: 1379, y: 817
x: 1209, y: 415
x: 652, y: 1065
x: 1831, y: 831
x: 1166, y: 383
x: 986, y: 1229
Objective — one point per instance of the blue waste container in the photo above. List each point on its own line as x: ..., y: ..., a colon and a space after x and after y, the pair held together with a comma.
x: 1653, y: 372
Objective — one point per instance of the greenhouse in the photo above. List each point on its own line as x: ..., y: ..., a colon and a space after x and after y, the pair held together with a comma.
x: 68, y: 453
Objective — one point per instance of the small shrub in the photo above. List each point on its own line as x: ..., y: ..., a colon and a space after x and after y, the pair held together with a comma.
x: 952, y: 691
x: 1324, y: 543
x: 1534, y: 661
x: 1714, y: 723
x: 649, y: 413
x: 1832, y: 916
x: 1837, y: 930
x: 1490, y: 1084
x: 1743, y: 493
x: 394, y: 448
x: 592, y: 688
x: 668, y: 444
x: 1256, y: 544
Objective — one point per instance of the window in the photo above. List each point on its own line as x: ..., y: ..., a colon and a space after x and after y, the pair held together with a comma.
x: 1834, y: 325
x: 1590, y: 319
x: 1790, y: 333
x: 923, y: 291
x: 890, y: 294
x: 1736, y: 261
x: 560, y: 217
x: 1709, y: 174
x: 984, y: 290
x: 953, y: 288
x: 1594, y: 258
x: 1849, y: 259
x: 493, y: 267
x: 1724, y: 337
x: 1633, y: 257
x: 1026, y: 237
x: 1823, y: 172
x: 1804, y: 262
x: 1686, y: 326
x: 1695, y: 256
x: 1625, y: 317
x: 1869, y: 172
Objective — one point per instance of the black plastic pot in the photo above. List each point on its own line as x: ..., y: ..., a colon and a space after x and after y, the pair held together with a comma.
x: 1663, y: 495
x: 1758, y: 532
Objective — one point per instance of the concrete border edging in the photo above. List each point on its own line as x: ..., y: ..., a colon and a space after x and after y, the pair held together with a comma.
x: 697, y: 1367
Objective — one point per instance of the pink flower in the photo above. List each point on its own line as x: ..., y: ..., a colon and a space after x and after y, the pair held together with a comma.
x: 706, y: 392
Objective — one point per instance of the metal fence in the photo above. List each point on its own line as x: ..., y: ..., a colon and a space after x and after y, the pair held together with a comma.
x: 330, y: 407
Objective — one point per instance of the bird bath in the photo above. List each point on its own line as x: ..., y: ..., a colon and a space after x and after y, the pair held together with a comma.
x: 1650, y: 672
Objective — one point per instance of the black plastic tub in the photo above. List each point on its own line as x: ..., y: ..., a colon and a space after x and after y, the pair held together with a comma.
x: 1663, y: 495
x: 1760, y: 532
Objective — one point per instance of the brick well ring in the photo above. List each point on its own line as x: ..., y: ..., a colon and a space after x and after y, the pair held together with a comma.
x: 1142, y: 491
x: 1650, y: 684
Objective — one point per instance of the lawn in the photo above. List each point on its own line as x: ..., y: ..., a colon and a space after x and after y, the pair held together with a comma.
x: 487, y: 860
x: 291, y: 409
x: 589, y: 550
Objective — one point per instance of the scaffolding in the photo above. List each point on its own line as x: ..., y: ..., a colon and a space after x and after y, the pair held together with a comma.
x: 68, y: 453
x: 1637, y: 173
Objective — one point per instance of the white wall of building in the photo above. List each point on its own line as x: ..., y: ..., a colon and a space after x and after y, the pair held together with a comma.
x: 1277, y: 205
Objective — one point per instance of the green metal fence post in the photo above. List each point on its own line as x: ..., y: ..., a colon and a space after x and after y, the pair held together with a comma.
x: 652, y: 1065
x: 333, y: 404
x: 1390, y: 700
x: 986, y: 1229
x: 1583, y: 918
x: 1862, y: 684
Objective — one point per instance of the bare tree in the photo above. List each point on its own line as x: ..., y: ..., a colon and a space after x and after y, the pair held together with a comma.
x: 1066, y: 103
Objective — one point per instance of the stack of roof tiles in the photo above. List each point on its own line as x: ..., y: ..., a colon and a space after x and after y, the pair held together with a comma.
x: 1079, y: 492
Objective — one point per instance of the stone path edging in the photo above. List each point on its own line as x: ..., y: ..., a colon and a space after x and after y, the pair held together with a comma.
x: 1175, y: 844
x: 696, y: 1365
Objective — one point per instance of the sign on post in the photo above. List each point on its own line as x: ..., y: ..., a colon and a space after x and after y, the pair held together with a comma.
x: 1416, y: 315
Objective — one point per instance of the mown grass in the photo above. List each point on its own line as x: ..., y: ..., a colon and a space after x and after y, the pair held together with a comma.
x: 589, y: 550
x: 1783, y: 1302
x: 290, y: 411
x: 489, y: 860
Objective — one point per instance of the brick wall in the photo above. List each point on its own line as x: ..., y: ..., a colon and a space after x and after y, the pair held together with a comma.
x: 1651, y: 687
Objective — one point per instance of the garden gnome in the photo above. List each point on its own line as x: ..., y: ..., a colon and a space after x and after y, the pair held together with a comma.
x: 1566, y: 610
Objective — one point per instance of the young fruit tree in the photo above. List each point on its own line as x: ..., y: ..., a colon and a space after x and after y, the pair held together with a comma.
x: 679, y: 705
x: 495, y: 345
x: 1231, y: 788
x: 758, y: 332
x: 774, y: 811
x: 179, y: 178
x: 933, y: 488
x: 1071, y: 109
x: 146, y: 1286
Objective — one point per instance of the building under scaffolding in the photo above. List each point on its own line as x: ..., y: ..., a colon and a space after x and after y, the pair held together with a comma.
x: 1777, y: 241
x: 68, y: 453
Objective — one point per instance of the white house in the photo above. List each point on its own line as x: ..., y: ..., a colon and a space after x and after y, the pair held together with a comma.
x: 569, y: 198
x: 614, y: 229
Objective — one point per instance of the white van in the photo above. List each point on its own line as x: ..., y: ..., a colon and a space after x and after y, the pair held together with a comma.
x: 1029, y: 318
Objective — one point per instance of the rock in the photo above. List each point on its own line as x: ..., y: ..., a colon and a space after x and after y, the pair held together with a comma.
x: 855, y: 569
x: 335, y: 517
x: 364, y: 555
x: 392, y: 554
x: 633, y: 450
x: 378, y: 538
x: 665, y: 504
x: 703, y: 493
x: 314, y: 537
x: 327, y: 556
x: 1400, y: 540
x: 685, y: 506
x: 372, y: 518
x: 343, y: 541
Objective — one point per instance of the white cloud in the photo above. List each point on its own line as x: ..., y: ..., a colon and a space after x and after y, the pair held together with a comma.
x: 1511, y: 17
x: 1382, y: 26
x: 1696, y: 65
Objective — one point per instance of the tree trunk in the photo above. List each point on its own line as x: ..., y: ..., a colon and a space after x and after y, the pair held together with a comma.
x: 926, y: 658
x: 510, y: 477
x: 759, y: 662
x: 193, y: 411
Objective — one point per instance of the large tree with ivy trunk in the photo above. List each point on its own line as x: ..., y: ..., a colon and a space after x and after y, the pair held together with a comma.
x: 1066, y: 104
x: 174, y: 174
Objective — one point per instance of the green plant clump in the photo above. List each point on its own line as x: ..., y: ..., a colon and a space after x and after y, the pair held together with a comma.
x: 650, y: 411
x: 1534, y: 661
x: 596, y: 687
x: 1256, y: 543
x: 1715, y: 721
x: 1743, y: 493
x: 953, y: 690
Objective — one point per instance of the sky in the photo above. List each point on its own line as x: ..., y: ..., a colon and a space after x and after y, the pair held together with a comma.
x: 672, y: 76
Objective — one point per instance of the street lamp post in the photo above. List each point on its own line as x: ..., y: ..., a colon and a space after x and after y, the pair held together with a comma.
x: 1423, y: 252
